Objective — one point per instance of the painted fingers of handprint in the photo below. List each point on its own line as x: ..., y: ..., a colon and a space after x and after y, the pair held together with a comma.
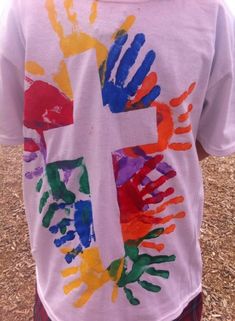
x: 124, y: 28
x: 114, y: 55
x: 138, y: 191
x: 116, y: 93
x: 77, y: 41
x: 146, y: 93
x: 142, y: 223
x: 32, y: 149
x: 129, y: 59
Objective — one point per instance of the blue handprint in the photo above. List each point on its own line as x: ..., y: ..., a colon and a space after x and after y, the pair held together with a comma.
x: 115, y: 92
x: 83, y: 227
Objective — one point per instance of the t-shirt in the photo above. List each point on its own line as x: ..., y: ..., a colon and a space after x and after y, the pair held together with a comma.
x: 109, y: 98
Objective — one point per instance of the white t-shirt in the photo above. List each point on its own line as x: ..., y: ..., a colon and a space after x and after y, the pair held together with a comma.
x: 109, y: 98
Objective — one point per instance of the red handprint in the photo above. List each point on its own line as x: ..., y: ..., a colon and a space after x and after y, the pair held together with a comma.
x: 46, y: 107
x: 138, y: 193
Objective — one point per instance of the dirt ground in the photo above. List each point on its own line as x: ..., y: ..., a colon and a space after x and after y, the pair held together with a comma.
x: 17, y: 268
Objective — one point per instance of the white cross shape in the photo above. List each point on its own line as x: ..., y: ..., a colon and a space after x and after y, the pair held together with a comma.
x: 95, y: 134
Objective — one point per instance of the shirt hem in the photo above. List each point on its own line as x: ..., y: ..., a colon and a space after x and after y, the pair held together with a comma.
x: 172, y: 316
x: 48, y: 310
x: 178, y: 312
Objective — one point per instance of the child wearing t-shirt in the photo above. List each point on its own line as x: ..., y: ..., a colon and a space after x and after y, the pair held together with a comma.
x: 115, y: 102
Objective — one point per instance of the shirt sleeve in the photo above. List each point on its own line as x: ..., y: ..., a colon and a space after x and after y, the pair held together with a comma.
x: 216, y: 131
x: 11, y: 77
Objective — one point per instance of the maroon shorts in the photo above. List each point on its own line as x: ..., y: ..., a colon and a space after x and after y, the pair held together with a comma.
x: 192, y: 312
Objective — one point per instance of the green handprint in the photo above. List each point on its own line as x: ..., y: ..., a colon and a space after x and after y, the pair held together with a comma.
x: 58, y: 188
x: 59, y: 197
x: 141, y: 264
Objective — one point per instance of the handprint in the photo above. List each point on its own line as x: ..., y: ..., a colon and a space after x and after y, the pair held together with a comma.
x: 79, y: 223
x: 46, y: 107
x: 92, y: 275
x: 79, y: 41
x: 166, y: 130
x: 137, y: 192
x: 117, y: 94
x: 137, y: 265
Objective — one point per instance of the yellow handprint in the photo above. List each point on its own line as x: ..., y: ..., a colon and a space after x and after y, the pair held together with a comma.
x: 78, y: 41
x: 92, y: 273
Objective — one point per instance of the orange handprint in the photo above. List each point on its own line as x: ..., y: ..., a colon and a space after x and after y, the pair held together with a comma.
x: 166, y: 126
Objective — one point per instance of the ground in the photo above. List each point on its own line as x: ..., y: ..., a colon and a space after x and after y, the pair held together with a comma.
x: 217, y: 239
